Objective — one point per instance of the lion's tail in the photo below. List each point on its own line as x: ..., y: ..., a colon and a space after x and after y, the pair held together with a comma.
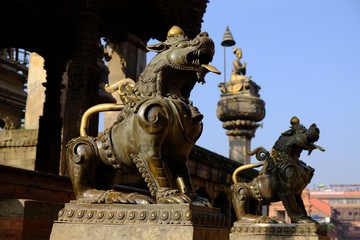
x: 116, y: 86
x: 244, y: 167
x: 261, y: 154
x: 84, y: 125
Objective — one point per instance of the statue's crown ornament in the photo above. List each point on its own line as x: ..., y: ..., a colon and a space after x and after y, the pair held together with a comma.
x: 175, y: 34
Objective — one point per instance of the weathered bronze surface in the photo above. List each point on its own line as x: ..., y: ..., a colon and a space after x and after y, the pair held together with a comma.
x: 283, y: 177
x: 155, y: 130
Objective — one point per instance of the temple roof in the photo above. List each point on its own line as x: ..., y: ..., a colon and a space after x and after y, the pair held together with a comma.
x: 34, y: 24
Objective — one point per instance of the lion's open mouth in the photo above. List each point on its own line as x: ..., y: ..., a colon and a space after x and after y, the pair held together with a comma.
x: 197, y: 60
x: 200, y: 56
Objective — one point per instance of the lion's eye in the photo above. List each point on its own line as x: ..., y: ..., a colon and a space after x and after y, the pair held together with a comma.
x: 182, y: 45
x: 196, y: 41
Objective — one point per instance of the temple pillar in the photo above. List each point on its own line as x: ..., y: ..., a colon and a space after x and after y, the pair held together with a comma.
x: 36, y: 92
x: 84, y: 76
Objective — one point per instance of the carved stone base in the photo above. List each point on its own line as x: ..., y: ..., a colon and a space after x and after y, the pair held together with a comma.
x: 263, y: 231
x: 133, y: 222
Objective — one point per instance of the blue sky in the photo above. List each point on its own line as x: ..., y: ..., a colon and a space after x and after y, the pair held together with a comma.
x: 305, y: 56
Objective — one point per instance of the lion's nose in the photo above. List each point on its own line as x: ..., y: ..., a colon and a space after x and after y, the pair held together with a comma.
x: 203, y: 34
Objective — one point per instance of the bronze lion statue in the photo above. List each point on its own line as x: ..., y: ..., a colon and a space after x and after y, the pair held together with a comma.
x: 283, y: 177
x: 155, y: 130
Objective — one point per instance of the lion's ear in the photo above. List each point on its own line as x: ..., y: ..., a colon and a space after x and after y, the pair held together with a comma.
x: 289, y: 132
x: 158, y: 47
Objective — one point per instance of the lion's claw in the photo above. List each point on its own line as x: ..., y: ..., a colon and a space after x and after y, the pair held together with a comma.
x: 175, y: 198
x: 101, y: 196
x: 260, y: 219
x: 307, y: 220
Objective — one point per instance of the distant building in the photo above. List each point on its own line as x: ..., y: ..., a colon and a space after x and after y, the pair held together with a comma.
x: 13, y: 79
x: 344, y: 200
x: 336, y: 207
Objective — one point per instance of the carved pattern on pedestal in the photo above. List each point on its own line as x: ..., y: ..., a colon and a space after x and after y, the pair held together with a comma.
x: 274, y: 229
x: 135, y: 214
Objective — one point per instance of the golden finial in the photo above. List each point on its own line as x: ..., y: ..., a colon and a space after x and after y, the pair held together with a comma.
x: 294, y: 120
x: 175, y: 31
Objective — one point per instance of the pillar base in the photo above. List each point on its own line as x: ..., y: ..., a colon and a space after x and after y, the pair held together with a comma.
x: 264, y: 231
x: 133, y: 222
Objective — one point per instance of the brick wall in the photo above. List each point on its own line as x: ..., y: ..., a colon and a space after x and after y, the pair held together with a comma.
x: 27, y: 219
x: 18, y: 148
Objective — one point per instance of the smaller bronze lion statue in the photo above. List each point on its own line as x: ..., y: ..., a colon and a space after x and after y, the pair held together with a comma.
x: 283, y: 177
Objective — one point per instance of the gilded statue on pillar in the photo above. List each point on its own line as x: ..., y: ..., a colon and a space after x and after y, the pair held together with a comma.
x: 239, y: 82
x: 239, y: 68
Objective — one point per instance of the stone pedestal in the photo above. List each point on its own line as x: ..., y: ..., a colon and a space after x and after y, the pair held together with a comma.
x: 264, y: 231
x: 134, y: 222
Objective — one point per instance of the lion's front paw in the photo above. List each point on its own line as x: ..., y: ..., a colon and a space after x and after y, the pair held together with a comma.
x: 260, y: 219
x: 306, y: 219
x: 266, y: 219
x: 171, y: 196
x: 110, y: 196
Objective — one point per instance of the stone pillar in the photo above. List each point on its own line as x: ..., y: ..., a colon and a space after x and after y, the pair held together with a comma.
x: 240, y: 108
x: 239, y: 144
x: 83, y: 77
x: 36, y: 91
x: 50, y: 123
